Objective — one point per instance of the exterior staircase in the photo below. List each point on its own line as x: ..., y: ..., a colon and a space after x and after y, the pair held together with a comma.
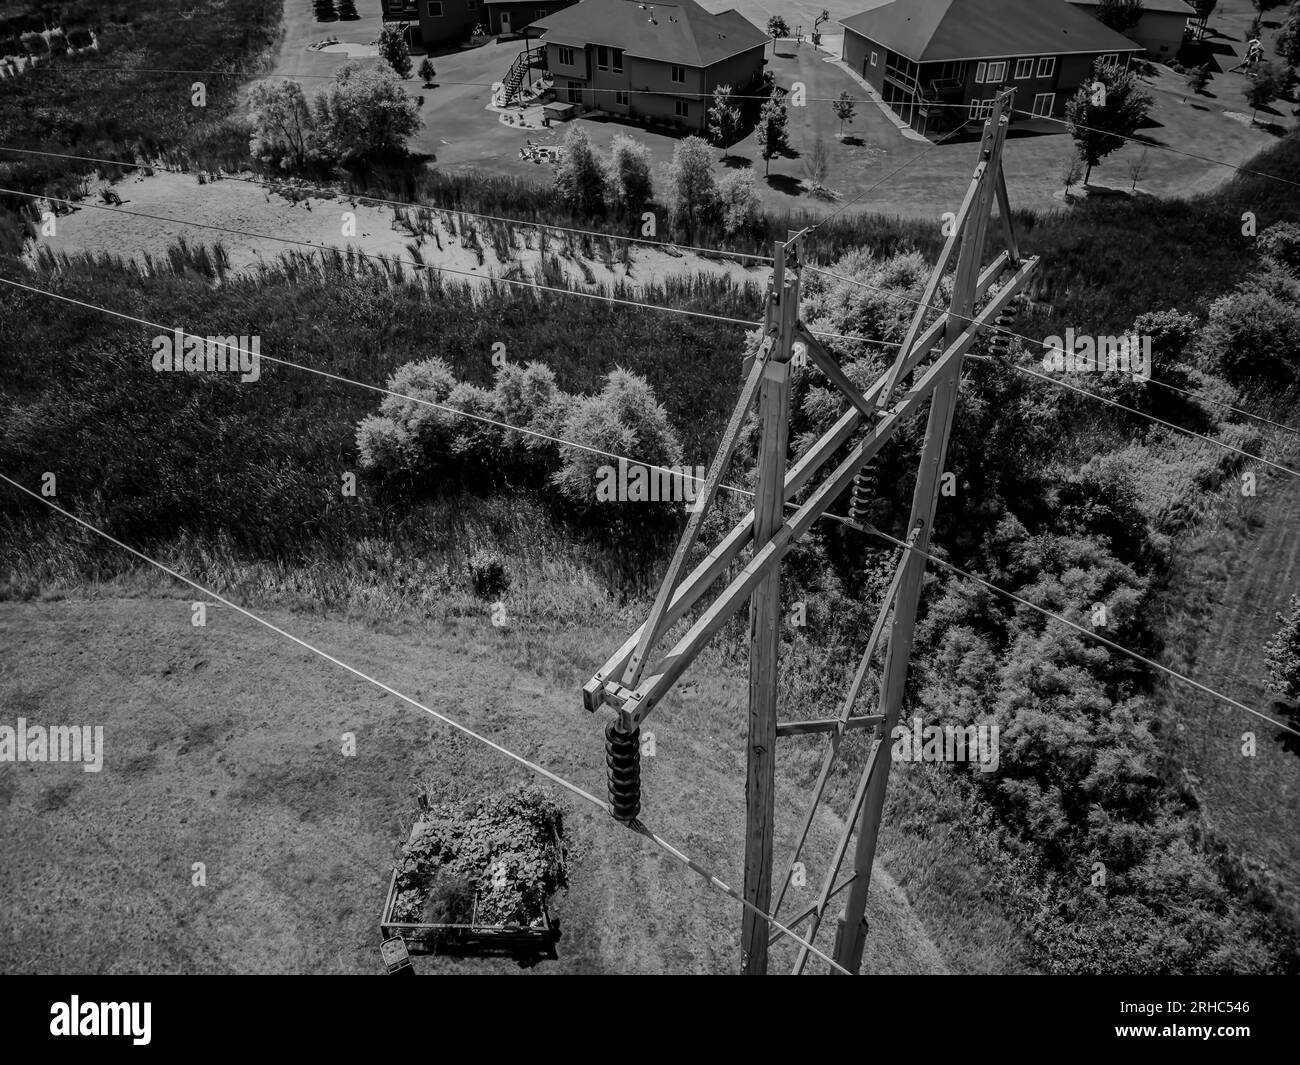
x: 514, y: 79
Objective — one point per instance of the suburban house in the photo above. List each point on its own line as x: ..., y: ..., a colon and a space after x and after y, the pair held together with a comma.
x: 442, y: 23
x: 649, y: 61
x: 1159, y: 30
x: 940, y: 63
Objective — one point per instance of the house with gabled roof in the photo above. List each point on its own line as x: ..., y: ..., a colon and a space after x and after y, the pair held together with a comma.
x: 649, y: 61
x: 941, y: 63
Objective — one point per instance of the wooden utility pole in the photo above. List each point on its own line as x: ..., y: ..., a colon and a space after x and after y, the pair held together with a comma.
x: 765, y: 610
x: 928, y: 364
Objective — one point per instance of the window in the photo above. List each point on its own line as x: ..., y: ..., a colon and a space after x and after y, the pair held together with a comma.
x: 435, y: 9
x: 1111, y: 58
x: 602, y: 58
x: 566, y: 57
x: 679, y: 74
x: 1044, y: 102
x: 980, y: 69
x: 616, y: 57
x: 873, y: 59
x: 539, y: 12
x: 682, y: 108
x: 575, y: 94
x: 620, y: 97
x: 997, y: 73
x: 1024, y: 68
x: 1047, y: 66
x: 982, y: 108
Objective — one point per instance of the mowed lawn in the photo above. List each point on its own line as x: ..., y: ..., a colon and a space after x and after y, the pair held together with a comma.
x: 223, y: 745
x: 875, y: 166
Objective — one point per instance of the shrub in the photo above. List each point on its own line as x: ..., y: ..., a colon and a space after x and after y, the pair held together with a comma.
x: 1281, y: 243
x: 738, y: 202
x: 579, y: 178
x: 488, y: 575
x: 348, y: 10
x: 1252, y: 336
x: 690, y: 191
x: 284, y: 128
x: 364, y: 114
x: 628, y: 184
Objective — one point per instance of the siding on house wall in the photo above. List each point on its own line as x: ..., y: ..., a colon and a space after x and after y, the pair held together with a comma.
x: 1159, y: 32
x: 455, y: 23
x: 651, y: 76
x: 521, y: 14
x: 740, y: 71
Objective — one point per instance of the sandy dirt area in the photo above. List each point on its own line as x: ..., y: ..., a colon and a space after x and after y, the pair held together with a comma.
x: 256, y: 224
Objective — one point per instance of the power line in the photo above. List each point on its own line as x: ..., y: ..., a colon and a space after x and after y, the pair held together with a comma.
x: 531, y: 766
x: 486, y: 278
x: 872, y: 530
x: 1054, y: 380
x: 610, y: 454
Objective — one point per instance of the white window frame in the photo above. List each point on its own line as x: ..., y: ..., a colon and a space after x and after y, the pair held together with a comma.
x: 1051, y: 105
x: 616, y: 60
x: 873, y: 59
x: 574, y: 94
x: 621, y: 97
x: 430, y: 8
x: 682, y: 108
x: 1000, y: 67
x: 673, y: 74
x: 1027, y: 65
x: 1047, y: 66
x: 980, y: 70
x: 539, y: 12
x: 602, y: 50
x: 1110, y: 58
x: 566, y: 62
x: 982, y: 108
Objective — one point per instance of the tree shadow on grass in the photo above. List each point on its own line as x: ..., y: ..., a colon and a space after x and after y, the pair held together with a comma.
x: 791, y: 186
x: 737, y: 162
x: 853, y: 142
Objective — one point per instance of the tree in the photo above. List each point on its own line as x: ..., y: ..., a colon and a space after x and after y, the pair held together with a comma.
x: 773, y: 132
x: 817, y: 165
x: 1282, y: 653
x: 1119, y: 15
x: 427, y: 73
x: 738, y: 201
x: 1288, y: 41
x: 393, y: 50
x: 1071, y: 170
x: 365, y: 113
x: 843, y: 109
x: 284, y: 130
x: 1197, y: 78
x: 1268, y: 84
x: 348, y: 10
x: 579, y: 177
x: 1137, y: 169
x: 777, y: 27
x: 628, y: 185
x: 324, y: 10
x: 724, y: 117
x: 1101, y: 118
x: 690, y: 188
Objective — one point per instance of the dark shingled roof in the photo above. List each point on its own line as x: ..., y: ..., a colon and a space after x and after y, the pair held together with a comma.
x: 682, y: 31
x: 927, y: 30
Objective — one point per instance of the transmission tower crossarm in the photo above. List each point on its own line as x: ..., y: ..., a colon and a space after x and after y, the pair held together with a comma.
x: 654, y: 686
x: 656, y: 622
x: 925, y: 499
